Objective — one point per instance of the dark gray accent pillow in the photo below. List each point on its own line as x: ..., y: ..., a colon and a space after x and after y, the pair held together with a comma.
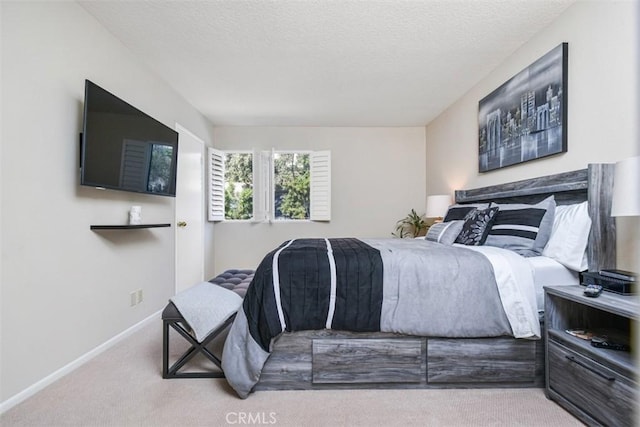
x: 523, y: 228
x: 458, y: 211
x: 476, y: 226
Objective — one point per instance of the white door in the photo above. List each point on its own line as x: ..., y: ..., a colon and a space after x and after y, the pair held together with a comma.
x: 189, y: 211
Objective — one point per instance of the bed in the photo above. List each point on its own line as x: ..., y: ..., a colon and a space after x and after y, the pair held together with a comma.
x: 370, y: 345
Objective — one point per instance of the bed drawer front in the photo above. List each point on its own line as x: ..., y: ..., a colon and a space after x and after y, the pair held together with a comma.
x: 479, y: 360
x: 602, y: 393
x: 368, y: 361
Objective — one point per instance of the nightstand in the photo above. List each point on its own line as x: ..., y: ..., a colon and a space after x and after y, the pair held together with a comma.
x: 597, y: 385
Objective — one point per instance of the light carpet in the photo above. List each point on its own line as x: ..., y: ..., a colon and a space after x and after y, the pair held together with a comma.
x: 123, y: 387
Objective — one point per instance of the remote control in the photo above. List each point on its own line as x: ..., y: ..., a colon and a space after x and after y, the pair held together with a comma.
x: 601, y: 342
x: 593, y: 291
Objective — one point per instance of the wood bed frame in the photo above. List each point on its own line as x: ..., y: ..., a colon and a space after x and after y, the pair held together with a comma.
x: 328, y: 359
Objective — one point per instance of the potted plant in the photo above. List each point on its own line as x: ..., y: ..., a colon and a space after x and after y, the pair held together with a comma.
x: 413, y: 225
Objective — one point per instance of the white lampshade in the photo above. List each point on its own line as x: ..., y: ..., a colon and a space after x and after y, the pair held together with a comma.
x: 626, y: 188
x: 437, y: 205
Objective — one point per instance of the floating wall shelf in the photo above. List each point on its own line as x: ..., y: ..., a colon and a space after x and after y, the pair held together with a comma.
x: 127, y: 227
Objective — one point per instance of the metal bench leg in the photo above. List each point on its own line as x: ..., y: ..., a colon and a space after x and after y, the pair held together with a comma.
x: 196, y: 348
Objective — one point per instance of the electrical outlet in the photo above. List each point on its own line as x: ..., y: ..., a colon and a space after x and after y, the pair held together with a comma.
x: 133, y: 299
x: 136, y: 297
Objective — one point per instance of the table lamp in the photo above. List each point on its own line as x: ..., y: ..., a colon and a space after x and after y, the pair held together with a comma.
x: 437, y: 206
x: 626, y: 188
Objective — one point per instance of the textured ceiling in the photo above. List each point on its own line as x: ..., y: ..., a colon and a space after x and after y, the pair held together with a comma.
x: 323, y: 62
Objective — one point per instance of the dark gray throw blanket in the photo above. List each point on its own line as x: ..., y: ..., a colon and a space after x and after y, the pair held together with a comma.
x: 319, y: 283
x: 408, y: 286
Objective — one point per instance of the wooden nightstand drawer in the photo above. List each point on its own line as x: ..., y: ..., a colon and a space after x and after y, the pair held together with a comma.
x: 601, y: 393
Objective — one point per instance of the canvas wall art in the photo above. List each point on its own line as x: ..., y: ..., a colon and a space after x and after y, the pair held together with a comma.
x: 525, y: 118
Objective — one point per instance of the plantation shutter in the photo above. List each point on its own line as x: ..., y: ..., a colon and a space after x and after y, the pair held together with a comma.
x: 215, y: 176
x: 261, y: 185
x: 320, y: 191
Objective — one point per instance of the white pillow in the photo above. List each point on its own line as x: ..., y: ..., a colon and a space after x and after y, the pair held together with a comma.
x: 569, y: 236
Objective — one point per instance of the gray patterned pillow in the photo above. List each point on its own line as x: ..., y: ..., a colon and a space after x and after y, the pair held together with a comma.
x: 444, y: 232
x: 476, y: 226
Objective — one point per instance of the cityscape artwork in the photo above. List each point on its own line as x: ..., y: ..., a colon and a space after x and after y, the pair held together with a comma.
x: 526, y: 117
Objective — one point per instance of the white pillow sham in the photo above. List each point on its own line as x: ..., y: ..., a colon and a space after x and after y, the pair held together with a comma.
x: 569, y: 236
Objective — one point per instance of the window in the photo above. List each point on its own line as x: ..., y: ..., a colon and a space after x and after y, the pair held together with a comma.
x: 275, y: 185
x: 291, y: 178
x: 238, y: 185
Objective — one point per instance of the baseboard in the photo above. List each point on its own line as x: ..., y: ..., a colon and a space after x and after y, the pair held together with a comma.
x: 38, y: 386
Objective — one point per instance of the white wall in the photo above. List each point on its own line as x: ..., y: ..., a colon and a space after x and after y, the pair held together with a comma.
x: 377, y: 178
x: 603, y: 105
x: 65, y: 289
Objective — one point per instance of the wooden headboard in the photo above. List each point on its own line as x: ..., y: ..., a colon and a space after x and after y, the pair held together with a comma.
x: 594, y: 184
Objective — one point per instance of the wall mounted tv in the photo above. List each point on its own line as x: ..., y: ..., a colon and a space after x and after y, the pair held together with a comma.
x: 122, y: 148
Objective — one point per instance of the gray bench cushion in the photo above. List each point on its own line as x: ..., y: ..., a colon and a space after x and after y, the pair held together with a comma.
x: 236, y: 280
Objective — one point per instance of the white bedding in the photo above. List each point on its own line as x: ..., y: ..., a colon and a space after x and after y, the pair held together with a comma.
x: 515, y: 281
x: 549, y: 272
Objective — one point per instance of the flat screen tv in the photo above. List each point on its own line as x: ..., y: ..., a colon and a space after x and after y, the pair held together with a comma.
x: 122, y: 148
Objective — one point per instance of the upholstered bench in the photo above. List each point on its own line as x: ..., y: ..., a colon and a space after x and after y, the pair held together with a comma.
x: 210, y: 307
